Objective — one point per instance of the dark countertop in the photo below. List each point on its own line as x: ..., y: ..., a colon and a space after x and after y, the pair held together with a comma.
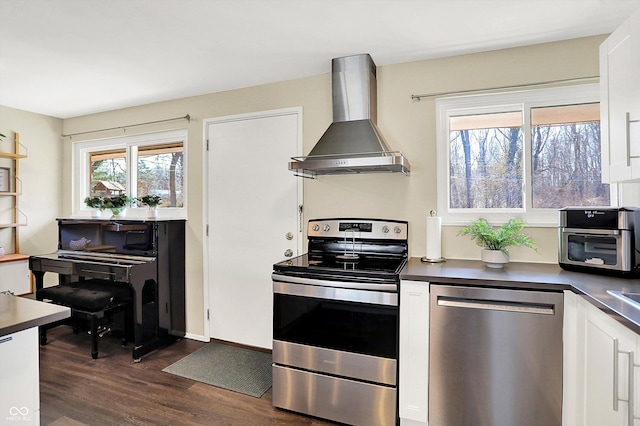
x: 19, y: 313
x: 533, y: 276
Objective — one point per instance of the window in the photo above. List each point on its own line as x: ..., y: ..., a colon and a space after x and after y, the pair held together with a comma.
x: 152, y: 164
x: 523, y: 154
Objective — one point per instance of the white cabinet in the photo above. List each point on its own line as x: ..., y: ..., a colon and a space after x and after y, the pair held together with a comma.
x: 14, y: 274
x: 572, y: 389
x: 413, y: 380
x: 620, y: 102
x: 19, y: 378
x: 606, y: 369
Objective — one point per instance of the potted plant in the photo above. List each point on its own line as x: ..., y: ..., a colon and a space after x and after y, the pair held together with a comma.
x: 152, y: 201
x: 495, y: 242
x: 95, y: 203
x: 117, y: 204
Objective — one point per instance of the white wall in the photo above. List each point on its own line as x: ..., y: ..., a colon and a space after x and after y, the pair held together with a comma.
x: 408, y: 125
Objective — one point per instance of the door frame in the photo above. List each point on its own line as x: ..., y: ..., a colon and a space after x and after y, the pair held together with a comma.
x: 205, y: 193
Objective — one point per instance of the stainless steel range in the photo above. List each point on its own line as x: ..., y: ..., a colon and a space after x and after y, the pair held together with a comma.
x: 335, y: 322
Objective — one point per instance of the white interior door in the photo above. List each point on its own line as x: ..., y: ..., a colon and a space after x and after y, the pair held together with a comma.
x: 253, y: 217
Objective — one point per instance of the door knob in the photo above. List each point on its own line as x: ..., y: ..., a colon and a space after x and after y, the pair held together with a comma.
x: 289, y: 236
x: 288, y: 253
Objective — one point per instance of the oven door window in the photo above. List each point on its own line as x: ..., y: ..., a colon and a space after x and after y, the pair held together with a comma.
x: 592, y: 249
x: 347, y: 326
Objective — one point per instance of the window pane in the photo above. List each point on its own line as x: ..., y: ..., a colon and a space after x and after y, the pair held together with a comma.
x: 108, y: 173
x: 486, y: 163
x: 565, y: 153
x: 160, y: 172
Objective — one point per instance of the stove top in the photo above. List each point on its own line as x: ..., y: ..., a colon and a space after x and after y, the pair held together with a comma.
x: 351, y: 250
x: 334, y: 263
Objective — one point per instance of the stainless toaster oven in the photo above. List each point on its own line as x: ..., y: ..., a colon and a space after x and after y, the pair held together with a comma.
x: 600, y: 239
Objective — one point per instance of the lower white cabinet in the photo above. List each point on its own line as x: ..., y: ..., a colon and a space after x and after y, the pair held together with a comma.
x: 16, y: 277
x: 19, y: 378
x: 413, y: 380
x: 607, y: 369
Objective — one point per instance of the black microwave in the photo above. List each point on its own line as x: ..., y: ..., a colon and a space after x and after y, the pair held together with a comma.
x: 600, y: 239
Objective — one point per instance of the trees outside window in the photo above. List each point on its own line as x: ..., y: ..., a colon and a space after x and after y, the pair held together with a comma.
x: 528, y: 153
x: 566, y: 158
x: 486, y: 162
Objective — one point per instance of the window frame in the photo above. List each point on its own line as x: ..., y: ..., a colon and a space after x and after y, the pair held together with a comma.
x: 82, y: 172
x: 524, y: 101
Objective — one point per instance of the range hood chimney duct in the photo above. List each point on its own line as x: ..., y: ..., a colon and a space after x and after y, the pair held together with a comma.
x: 352, y: 143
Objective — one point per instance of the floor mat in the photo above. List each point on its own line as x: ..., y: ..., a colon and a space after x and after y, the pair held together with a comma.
x: 229, y: 367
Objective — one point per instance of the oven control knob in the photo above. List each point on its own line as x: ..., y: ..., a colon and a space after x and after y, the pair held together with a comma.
x: 316, y: 227
x: 397, y: 230
x: 288, y: 253
x: 326, y: 228
x: 385, y: 229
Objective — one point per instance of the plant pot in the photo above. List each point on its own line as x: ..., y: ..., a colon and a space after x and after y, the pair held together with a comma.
x: 494, y: 258
x: 152, y: 213
x: 117, y: 212
x: 96, y: 213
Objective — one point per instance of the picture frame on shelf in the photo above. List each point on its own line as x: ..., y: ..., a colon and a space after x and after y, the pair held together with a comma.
x: 5, y: 174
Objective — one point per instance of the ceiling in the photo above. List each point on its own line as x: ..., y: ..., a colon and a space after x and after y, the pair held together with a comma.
x: 67, y: 58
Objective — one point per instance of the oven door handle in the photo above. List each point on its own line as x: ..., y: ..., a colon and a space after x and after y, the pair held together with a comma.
x: 336, y: 293
x: 331, y: 283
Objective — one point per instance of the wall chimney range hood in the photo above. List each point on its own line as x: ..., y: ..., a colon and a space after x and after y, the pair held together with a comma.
x: 353, y: 143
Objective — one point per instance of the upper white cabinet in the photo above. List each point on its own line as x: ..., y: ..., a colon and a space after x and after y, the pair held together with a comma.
x: 620, y: 102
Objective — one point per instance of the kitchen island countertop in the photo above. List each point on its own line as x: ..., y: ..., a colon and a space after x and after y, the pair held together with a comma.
x: 533, y: 276
x: 19, y: 313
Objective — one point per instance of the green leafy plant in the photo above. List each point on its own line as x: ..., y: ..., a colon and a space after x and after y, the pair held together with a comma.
x: 150, y: 200
x: 95, y: 203
x: 507, y: 235
x: 117, y: 202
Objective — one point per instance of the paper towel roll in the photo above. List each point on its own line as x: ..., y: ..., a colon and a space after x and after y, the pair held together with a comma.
x: 434, y: 237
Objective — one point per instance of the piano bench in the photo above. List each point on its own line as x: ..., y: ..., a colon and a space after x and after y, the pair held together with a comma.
x: 90, y: 300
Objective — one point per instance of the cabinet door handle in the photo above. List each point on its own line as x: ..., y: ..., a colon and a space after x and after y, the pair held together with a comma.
x: 630, y: 417
x: 630, y: 384
x: 615, y: 374
x: 627, y: 122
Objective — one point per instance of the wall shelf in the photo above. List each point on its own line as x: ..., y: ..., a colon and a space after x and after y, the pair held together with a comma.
x: 10, y: 155
x: 15, y: 190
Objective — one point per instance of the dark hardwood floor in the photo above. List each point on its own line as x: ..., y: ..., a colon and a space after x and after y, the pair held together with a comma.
x: 113, y: 390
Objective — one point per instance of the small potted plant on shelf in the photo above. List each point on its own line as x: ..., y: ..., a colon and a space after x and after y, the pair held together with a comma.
x: 495, y: 242
x: 95, y: 203
x: 152, y: 201
x: 117, y: 204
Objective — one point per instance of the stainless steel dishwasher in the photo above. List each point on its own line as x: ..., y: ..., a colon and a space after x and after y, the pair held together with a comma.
x: 495, y: 357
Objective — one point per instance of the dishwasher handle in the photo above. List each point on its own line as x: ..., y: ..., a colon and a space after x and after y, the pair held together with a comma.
x: 497, y: 305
